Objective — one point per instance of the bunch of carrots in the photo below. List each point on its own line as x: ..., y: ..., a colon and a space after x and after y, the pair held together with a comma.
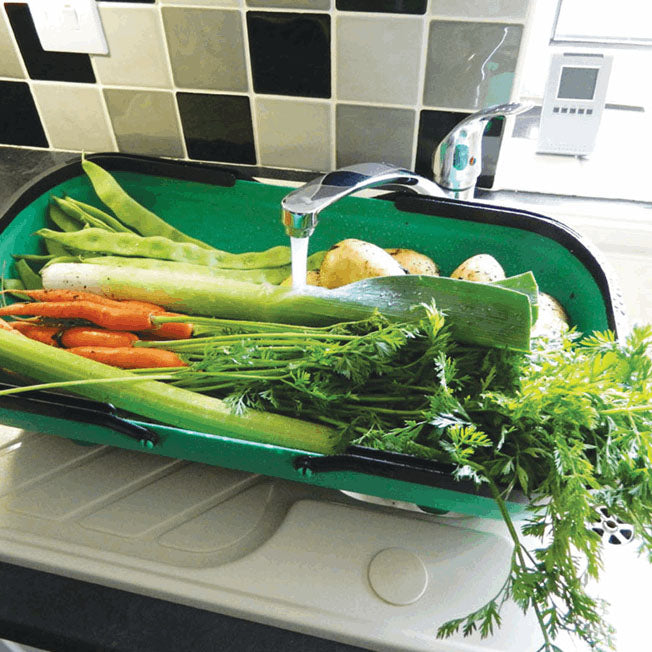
x: 107, y: 332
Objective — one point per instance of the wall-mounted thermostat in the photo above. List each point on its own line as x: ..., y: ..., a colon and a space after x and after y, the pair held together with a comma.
x: 573, y: 103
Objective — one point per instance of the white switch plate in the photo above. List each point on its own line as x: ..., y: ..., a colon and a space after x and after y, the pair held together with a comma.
x: 69, y: 26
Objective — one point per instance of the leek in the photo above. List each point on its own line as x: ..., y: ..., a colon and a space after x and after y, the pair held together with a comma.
x: 152, y: 399
x: 477, y: 313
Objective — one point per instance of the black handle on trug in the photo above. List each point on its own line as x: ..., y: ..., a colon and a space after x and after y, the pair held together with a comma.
x: 395, y: 466
x: 72, y: 408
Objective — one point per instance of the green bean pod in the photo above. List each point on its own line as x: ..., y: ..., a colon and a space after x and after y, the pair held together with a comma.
x: 77, y: 213
x: 62, y: 220
x: 12, y: 284
x: 129, y: 211
x: 111, y: 222
x: 130, y: 244
x: 29, y: 278
x: 37, y: 259
x: 55, y: 249
x: 62, y: 259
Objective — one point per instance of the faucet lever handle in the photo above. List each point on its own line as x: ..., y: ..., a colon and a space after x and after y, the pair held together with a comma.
x: 457, y: 161
x: 497, y: 110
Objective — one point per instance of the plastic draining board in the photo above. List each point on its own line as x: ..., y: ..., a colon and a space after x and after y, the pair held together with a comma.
x: 277, y: 552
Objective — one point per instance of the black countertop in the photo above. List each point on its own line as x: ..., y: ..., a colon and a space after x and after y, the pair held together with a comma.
x: 19, y: 166
x: 60, y: 614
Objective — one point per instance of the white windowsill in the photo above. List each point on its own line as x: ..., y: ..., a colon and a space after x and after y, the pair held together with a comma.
x: 618, y: 168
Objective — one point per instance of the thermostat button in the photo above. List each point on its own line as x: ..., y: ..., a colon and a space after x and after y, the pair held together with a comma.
x: 398, y: 576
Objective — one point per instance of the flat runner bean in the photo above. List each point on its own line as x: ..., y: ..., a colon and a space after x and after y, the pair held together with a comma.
x: 12, y: 284
x: 129, y: 211
x: 55, y: 249
x: 29, y: 278
x: 63, y: 220
x: 77, y: 213
x: 99, y: 214
x: 130, y: 244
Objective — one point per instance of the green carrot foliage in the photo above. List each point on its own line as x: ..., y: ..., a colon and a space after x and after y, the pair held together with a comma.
x: 569, y: 424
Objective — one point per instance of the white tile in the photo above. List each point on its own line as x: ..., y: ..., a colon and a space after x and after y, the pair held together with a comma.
x: 374, y: 133
x: 74, y: 116
x: 137, y: 55
x: 144, y: 121
x: 290, y: 4
x: 378, y: 58
x: 294, y: 133
x: 470, y: 65
x: 206, y: 48
x: 10, y: 64
x: 503, y: 9
x: 203, y: 3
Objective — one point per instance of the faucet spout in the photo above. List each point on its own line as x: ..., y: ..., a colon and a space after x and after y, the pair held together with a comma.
x: 301, y: 207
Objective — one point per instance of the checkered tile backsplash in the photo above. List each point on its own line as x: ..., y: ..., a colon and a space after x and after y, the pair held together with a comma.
x: 304, y: 85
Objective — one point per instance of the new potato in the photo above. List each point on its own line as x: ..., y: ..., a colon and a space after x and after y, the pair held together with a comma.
x: 481, y: 268
x: 353, y: 260
x: 552, y: 320
x: 413, y: 262
x: 312, y: 278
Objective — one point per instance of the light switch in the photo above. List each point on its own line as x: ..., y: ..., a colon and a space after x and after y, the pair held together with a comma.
x: 70, y: 20
x: 69, y: 26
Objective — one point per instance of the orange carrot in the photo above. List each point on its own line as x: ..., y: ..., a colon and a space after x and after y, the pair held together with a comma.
x: 119, y: 318
x: 127, y: 357
x: 75, y: 295
x: 88, y: 336
x: 5, y: 326
x: 45, y: 334
x: 173, y: 330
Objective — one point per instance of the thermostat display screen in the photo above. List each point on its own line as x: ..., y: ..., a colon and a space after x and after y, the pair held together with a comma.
x: 577, y: 83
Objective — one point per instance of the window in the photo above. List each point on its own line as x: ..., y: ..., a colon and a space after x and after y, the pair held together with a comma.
x: 622, y: 29
x: 625, y: 22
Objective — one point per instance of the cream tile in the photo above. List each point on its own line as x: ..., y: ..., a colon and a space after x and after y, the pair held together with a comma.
x: 10, y: 65
x: 145, y: 122
x: 294, y: 134
x: 74, y: 116
x: 206, y: 48
x: 378, y: 58
x: 137, y: 55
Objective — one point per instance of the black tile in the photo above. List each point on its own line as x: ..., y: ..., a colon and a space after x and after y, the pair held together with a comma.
x: 19, y: 120
x: 217, y: 127
x: 384, y: 6
x: 434, y: 127
x: 51, y: 66
x: 290, y: 53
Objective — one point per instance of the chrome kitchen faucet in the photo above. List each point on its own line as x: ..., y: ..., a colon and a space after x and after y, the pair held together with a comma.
x: 456, y: 167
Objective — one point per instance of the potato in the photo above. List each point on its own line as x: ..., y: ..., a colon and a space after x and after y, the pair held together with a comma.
x: 312, y: 278
x: 482, y: 268
x: 552, y: 320
x: 413, y: 262
x: 353, y: 260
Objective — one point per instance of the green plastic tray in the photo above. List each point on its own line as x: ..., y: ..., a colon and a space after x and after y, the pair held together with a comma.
x: 231, y: 212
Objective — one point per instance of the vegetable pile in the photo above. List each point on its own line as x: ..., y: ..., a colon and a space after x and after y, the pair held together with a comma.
x: 565, y: 419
